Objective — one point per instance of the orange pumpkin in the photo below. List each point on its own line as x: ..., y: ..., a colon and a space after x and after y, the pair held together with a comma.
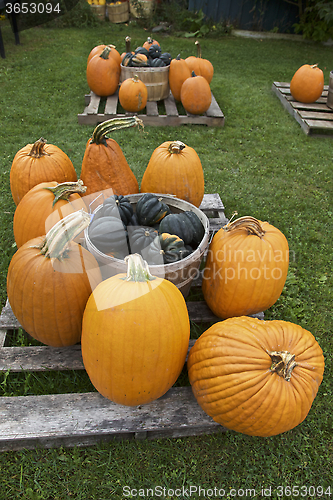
x: 256, y: 377
x: 133, y: 94
x: 49, y: 281
x: 103, y: 73
x: 195, y: 94
x: 246, y: 268
x: 99, y: 49
x: 104, y: 166
x: 135, y: 335
x: 178, y: 73
x: 307, y: 84
x: 43, y: 206
x: 200, y: 66
x: 149, y: 42
x: 176, y: 169
x: 36, y: 163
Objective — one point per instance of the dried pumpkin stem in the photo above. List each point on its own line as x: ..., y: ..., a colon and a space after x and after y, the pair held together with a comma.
x: 283, y: 363
x: 105, y: 52
x: 63, y: 190
x: 37, y: 150
x: 99, y: 134
x: 176, y: 147
x: 59, y: 237
x: 249, y: 223
x: 128, y: 44
x: 198, y: 49
x: 137, y: 269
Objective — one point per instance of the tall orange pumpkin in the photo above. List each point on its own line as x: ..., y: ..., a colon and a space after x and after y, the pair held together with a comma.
x: 307, y: 83
x: 43, y: 206
x: 104, y: 166
x: 135, y: 335
x: 36, y: 163
x: 103, y: 73
x: 49, y: 281
x: 246, y: 268
x: 99, y: 49
x: 178, y: 73
x: 200, y: 66
x: 176, y: 169
x: 256, y: 377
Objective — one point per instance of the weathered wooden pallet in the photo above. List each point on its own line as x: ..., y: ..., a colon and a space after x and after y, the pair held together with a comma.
x: 316, y: 119
x: 163, y: 113
x: 85, y: 419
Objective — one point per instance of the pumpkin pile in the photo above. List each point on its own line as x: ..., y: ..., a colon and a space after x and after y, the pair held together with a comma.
x: 149, y: 55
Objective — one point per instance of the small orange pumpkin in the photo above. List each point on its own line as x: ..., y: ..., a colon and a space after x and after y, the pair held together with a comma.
x: 133, y: 94
x: 307, y: 84
x: 149, y: 42
x: 200, y: 66
x: 103, y: 73
x: 195, y: 94
x: 178, y: 73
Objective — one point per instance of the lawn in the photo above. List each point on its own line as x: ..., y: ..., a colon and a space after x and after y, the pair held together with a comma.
x: 262, y: 164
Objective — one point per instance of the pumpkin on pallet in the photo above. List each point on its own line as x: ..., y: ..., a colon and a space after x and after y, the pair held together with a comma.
x: 49, y: 281
x: 178, y: 73
x: 200, y: 66
x: 175, y: 168
x: 135, y: 335
x: 307, y: 84
x: 195, y: 94
x: 36, y: 163
x: 256, y: 377
x: 99, y: 49
x: 103, y: 73
x: 133, y: 94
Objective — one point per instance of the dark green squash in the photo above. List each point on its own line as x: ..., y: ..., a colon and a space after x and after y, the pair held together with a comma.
x: 118, y: 206
x: 150, y: 209
x: 156, y: 63
x: 127, y: 59
x: 108, y: 234
x: 166, y: 58
x: 197, y: 226
x: 154, y: 51
x: 165, y: 249
x: 141, y: 50
x: 177, y: 224
x: 140, y: 237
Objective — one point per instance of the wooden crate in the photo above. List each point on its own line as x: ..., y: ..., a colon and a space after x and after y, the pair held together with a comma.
x: 316, y: 119
x: 88, y: 418
x: 164, y: 113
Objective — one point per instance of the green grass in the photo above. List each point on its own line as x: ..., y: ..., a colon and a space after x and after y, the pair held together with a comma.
x: 262, y: 164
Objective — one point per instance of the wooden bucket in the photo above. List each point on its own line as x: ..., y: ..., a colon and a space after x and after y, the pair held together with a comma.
x: 118, y: 13
x: 330, y: 92
x: 155, y: 79
x: 142, y: 8
x: 182, y: 272
x: 99, y: 10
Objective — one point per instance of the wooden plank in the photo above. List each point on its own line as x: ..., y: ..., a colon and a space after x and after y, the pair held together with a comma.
x: 214, y: 109
x: 170, y: 106
x: 86, y: 419
x: 111, y: 104
x: 93, y: 105
x: 151, y: 108
x: 41, y: 358
x: 320, y: 125
x: 315, y: 115
x: 315, y: 106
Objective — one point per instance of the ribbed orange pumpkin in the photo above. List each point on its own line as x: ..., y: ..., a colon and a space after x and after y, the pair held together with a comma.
x: 43, y: 206
x: 195, y: 94
x: 49, y: 281
x: 104, y: 166
x: 256, y: 377
x: 36, y: 163
x: 135, y: 335
x: 246, y: 268
x: 307, y: 84
x: 200, y: 66
x: 103, y: 73
x: 133, y: 94
x: 99, y: 49
x: 176, y: 169
x: 178, y: 73
x: 149, y: 42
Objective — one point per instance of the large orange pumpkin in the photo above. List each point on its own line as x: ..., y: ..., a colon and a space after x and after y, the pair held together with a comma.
x: 104, y: 166
x: 178, y: 73
x: 200, y: 66
x: 36, y: 163
x: 195, y: 94
x: 133, y: 94
x: 176, y: 169
x: 307, y: 83
x: 43, y: 206
x: 99, y: 49
x: 256, y: 377
x: 246, y: 268
x: 135, y: 335
x: 103, y: 73
x: 49, y: 281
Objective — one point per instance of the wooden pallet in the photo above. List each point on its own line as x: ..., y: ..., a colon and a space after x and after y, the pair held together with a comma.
x: 164, y: 113
x: 316, y: 119
x: 88, y: 418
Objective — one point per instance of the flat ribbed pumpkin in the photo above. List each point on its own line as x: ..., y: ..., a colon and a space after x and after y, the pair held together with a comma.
x: 135, y: 335
x: 246, y: 268
x: 49, y: 281
x: 104, y: 166
x: 256, y: 377
x: 175, y: 168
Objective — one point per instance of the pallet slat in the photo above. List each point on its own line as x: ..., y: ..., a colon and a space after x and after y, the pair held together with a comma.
x: 214, y: 117
x: 315, y: 118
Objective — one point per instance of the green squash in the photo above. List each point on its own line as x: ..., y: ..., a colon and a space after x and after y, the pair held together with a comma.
x: 108, y: 234
x: 140, y: 237
x: 165, y: 249
x: 118, y: 206
x: 150, y: 209
x: 178, y: 224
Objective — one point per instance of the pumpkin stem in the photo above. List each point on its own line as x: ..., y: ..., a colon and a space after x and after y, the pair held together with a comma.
x: 176, y: 147
x: 99, y: 134
x: 137, y: 269
x: 128, y: 44
x: 37, y: 150
x: 106, y: 51
x: 198, y: 49
x: 283, y: 363
x: 63, y: 190
x: 59, y: 237
x: 252, y: 225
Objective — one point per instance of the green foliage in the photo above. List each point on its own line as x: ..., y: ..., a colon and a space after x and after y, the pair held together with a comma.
x: 316, y: 22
